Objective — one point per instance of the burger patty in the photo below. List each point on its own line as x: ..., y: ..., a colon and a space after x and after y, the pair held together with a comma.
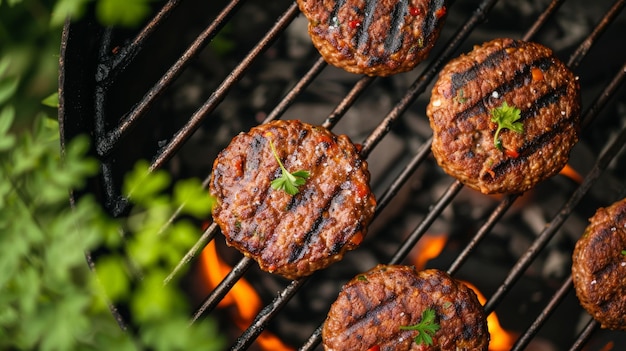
x: 523, y: 81
x: 373, y: 310
x: 374, y: 37
x: 292, y: 235
x: 599, y: 266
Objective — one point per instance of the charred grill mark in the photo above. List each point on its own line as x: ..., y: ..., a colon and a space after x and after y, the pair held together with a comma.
x: 299, y: 248
x: 430, y: 22
x: 519, y: 79
x: 371, y: 310
x: 552, y: 97
x: 253, y: 157
x: 462, y: 78
x: 332, y: 19
x: 394, y: 38
x: 362, y: 34
x: 529, y: 148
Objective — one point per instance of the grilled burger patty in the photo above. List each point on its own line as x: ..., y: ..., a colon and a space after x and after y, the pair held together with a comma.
x: 292, y: 235
x: 599, y: 266
x: 473, y: 87
x: 374, y: 37
x: 372, y: 307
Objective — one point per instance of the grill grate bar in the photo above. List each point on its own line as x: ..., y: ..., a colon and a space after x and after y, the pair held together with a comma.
x: 542, y: 19
x: 110, y: 140
x: 220, y: 93
x: 585, y: 335
x: 128, y: 52
x: 493, y: 219
x: 347, y: 101
x: 604, y: 97
x: 597, y: 32
x: 282, y: 106
x: 223, y: 287
x: 525, y: 338
x: 249, y: 335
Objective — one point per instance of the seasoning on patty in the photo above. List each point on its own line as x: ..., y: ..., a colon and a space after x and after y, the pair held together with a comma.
x: 374, y: 37
x: 292, y: 226
x: 599, y: 266
x: 394, y: 307
x: 505, y: 116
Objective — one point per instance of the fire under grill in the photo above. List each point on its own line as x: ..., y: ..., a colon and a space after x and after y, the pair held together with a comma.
x: 178, y: 89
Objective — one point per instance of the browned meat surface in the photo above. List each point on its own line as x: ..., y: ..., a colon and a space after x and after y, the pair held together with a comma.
x: 292, y: 235
x: 528, y: 77
x: 599, y: 266
x: 371, y: 308
x: 374, y: 37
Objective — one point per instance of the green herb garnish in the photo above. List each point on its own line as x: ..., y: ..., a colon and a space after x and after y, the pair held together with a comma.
x: 426, y: 328
x: 289, y: 182
x: 460, y: 96
x: 506, y: 117
x: 624, y: 252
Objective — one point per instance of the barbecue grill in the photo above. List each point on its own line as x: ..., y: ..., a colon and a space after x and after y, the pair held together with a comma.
x: 155, y: 93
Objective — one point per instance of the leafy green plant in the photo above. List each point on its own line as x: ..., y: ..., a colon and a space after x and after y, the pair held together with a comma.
x: 50, y: 298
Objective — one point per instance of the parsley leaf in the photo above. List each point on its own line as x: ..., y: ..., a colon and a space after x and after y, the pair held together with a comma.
x: 624, y: 252
x: 288, y: 182
x: 506, y: 117
x: 426, y: 328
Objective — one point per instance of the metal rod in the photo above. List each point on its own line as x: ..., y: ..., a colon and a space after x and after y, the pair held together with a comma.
x: 220, y: 93
x: 112, y: 138
x: 223, y: 288
x: 525, y: 338
x: 584, y: 48
x: 585, y: 335
x: 304, y: 82
x: 263, y: 317
x: 347, y: 101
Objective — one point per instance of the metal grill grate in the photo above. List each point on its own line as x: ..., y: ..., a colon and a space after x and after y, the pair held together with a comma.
x: 96, y: 60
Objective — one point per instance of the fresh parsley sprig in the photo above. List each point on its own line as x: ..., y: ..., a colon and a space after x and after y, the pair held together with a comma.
x: 426, y: 328
x: 506, y: 117
x: 623, y: 252
x: 288, y: 182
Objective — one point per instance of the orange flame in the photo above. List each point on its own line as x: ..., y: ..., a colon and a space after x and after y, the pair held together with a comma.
x: 571, y: 173
x: 501, y: 339
x: 429, y: 247
x: 242, y: 295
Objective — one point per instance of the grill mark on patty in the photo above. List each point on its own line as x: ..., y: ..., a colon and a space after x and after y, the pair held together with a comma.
x: 518, y: 80
x: 394, y: 37
x: 552, y: 97
x: 459, y: 79
x: 362, y: 33
x: 528, y: 149
x: 430, y: 21
x: 332, y: 19
x: 371, y: 311
x: 299, y: 249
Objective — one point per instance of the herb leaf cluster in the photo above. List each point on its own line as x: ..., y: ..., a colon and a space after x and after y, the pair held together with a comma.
x: 426, y: 328
x: 288, y: 182
x: 506, y: 117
